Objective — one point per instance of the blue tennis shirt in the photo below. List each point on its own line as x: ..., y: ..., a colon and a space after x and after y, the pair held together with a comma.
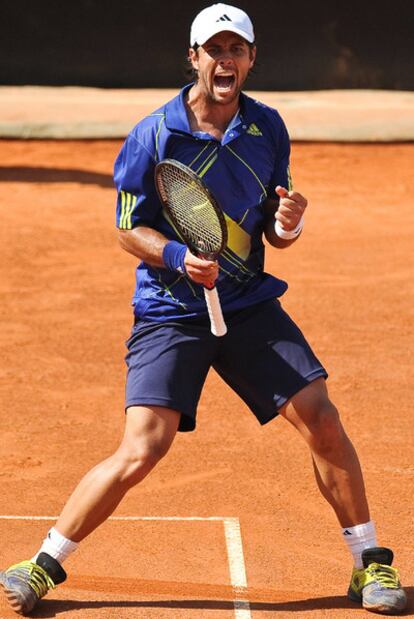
x: 241, y: 171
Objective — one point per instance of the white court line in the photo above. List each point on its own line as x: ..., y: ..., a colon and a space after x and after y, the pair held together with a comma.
x: 129, y: 518
x: 234, y: 547
x: 237, y: 568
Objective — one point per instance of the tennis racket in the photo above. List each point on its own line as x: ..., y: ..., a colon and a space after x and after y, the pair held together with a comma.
x: 198, y: 218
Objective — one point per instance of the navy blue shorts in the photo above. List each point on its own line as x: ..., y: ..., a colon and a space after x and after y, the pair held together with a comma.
x: 264, y: 358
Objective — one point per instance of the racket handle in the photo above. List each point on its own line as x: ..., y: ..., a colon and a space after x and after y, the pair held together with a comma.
x: 218, y: 326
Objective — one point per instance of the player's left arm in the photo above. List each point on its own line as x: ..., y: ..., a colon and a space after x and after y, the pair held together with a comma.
x: 288, y: 210
x: 283, y: 206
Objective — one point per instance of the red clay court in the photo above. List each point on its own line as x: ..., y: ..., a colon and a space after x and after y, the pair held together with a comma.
x: 230, y: 525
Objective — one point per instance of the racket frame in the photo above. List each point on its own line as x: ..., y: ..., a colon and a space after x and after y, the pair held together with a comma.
x: 197, y: 251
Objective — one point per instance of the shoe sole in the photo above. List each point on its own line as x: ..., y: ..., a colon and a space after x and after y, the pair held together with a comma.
x: 376, y: 608
x: 384, y: 609
x: 14, y: 603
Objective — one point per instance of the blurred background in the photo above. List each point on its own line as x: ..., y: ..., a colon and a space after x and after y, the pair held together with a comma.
x: 302, y: 45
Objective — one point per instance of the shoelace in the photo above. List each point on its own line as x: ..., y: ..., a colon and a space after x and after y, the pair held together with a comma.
x: 32, y: 574
x: 384, y: 574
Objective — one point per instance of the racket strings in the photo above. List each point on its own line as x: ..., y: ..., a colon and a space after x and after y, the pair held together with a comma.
x: 194, y: 212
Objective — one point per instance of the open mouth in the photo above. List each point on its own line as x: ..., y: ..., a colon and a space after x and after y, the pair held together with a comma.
x: 224, y: 82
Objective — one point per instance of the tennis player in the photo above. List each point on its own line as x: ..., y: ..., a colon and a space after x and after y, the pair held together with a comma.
x: 240, y: 147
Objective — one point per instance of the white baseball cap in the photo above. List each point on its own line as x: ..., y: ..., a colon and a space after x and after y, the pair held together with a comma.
x: 217, y: 18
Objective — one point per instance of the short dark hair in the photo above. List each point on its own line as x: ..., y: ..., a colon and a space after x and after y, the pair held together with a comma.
x: 190, y: 73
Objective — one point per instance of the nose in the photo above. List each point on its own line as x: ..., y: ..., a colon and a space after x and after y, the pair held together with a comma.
x: 225, y: 59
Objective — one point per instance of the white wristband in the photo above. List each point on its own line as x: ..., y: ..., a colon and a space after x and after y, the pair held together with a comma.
x: 288, y: 234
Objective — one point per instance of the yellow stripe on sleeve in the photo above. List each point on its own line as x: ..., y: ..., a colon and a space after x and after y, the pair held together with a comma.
x: 121, y: 219
x: 128, y: 203
x: 131, y: 210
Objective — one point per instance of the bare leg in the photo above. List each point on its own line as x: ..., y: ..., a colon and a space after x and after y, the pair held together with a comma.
x: 149, y: 432
x: 336, y: 465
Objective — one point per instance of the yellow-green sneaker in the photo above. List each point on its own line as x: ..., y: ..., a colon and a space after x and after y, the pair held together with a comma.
x: 26, y: 582
x: 377, y: 585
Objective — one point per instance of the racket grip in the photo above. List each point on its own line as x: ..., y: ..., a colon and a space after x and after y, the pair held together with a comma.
x: 218, y: 326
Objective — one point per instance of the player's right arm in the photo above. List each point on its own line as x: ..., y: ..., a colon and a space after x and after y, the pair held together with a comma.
x: 137, y: 203
x: 138, y: 206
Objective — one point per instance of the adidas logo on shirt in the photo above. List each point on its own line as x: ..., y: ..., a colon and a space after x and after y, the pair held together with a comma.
x: 254, y: 130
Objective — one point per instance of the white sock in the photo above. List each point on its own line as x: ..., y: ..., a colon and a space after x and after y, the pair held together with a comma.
x: 358, y: 538
x: 57, y: 546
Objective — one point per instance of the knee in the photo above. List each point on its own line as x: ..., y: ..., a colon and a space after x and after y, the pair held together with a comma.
x: 326, y: 433
x: 133, y: 463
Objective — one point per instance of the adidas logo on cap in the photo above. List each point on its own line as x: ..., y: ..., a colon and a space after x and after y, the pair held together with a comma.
x: 219, y: 18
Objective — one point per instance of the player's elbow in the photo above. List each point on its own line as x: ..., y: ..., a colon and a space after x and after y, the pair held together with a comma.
x: 134, y: 242
x: 124, y: 238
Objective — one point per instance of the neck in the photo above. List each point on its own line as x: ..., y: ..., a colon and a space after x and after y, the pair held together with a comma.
x: 207, y: 115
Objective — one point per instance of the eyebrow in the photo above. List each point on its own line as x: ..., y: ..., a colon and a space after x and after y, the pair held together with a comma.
x: 232, y: 44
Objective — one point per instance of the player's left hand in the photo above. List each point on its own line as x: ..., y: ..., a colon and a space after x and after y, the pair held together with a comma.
x: 291, y: 207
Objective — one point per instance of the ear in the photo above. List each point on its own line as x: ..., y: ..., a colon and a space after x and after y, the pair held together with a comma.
x: 193, y: 58
x: 252, y: 56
